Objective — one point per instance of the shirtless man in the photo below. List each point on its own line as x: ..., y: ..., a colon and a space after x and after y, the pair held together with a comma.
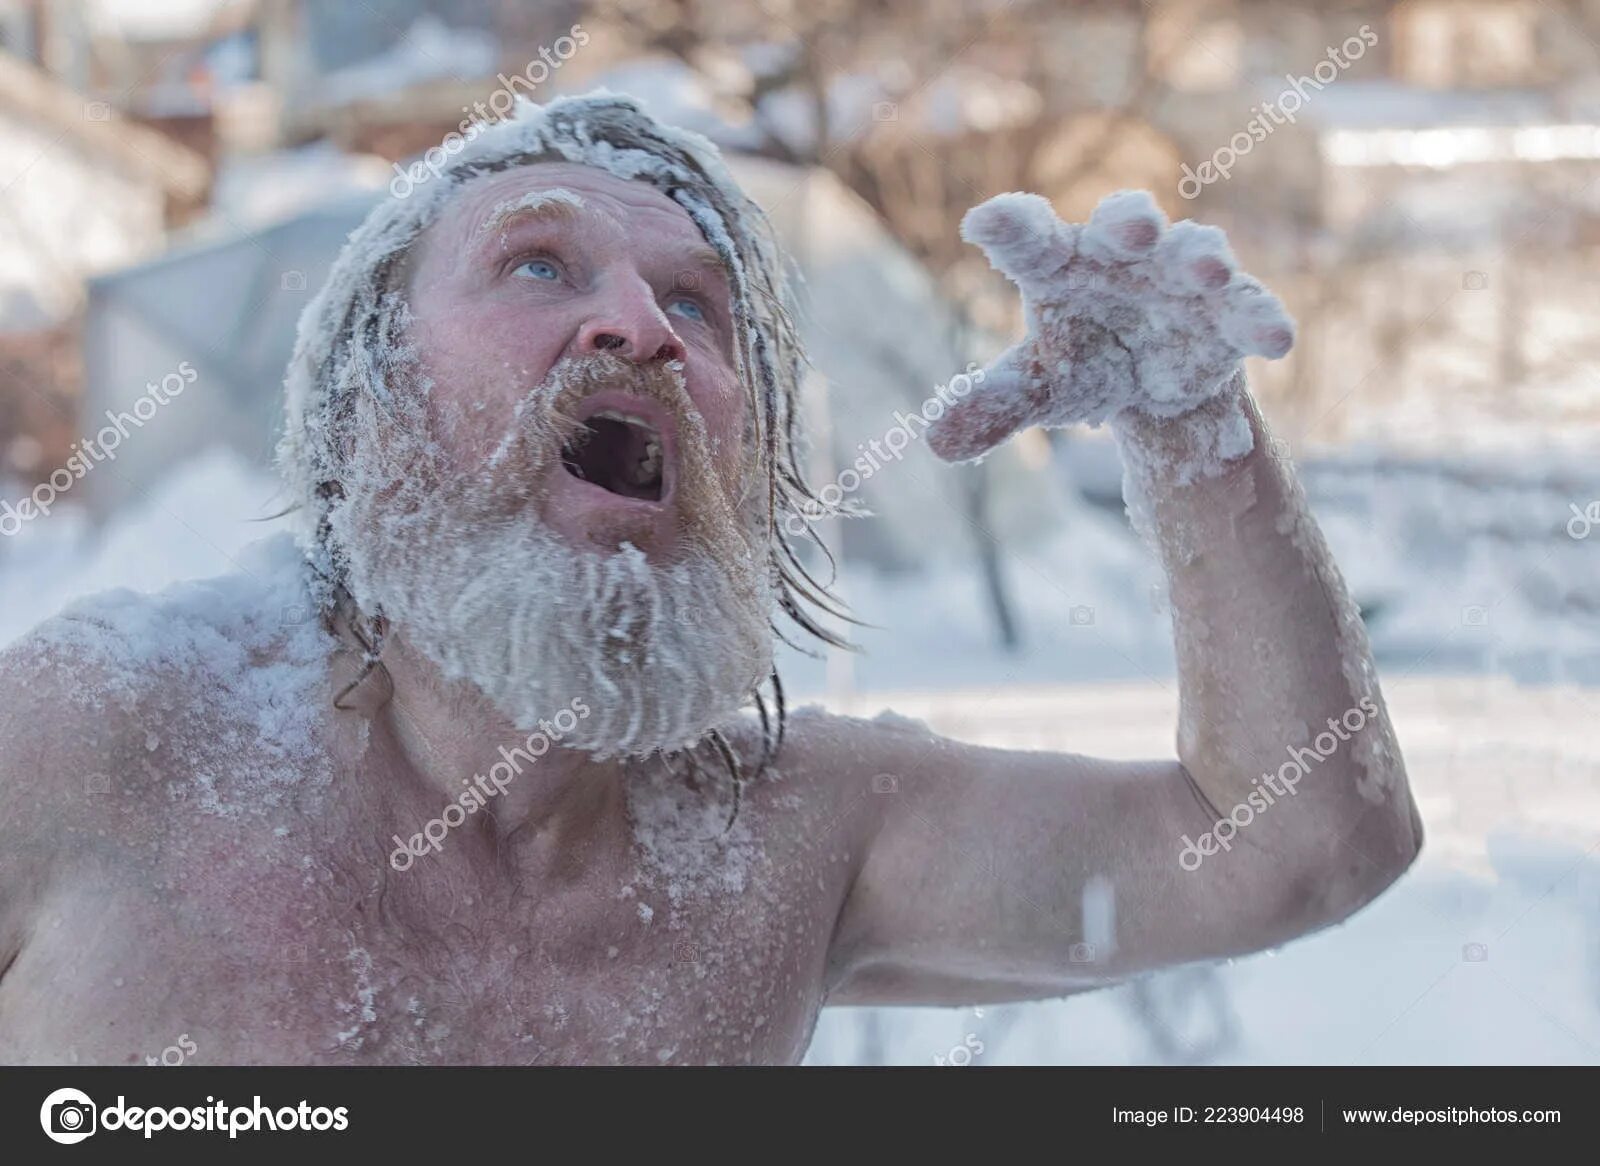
x: 521, y: 790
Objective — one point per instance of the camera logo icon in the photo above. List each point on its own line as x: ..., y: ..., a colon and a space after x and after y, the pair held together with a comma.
x: 1582, y: 521
x: 68, y: 1116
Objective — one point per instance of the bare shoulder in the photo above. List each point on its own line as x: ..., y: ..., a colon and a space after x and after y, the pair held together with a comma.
x: 832, y: 776
x: 126, y: 707
x: 863, y: 761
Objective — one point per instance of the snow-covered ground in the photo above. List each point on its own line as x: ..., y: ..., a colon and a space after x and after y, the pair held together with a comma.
x: 1488, y: 951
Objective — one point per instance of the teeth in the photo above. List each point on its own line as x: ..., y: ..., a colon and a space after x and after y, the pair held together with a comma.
x: 626, y: 419
x: 649, y: 466
x: 644, y: 471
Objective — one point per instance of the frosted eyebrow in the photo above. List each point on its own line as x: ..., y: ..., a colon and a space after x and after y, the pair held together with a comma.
x: 555, y: 203
x: 709, y: 259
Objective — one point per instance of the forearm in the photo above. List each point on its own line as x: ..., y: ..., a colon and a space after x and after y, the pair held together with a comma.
x: 1280, y: 706
x: 1286, y: 758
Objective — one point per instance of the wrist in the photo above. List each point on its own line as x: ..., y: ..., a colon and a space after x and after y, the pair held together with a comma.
x: 1206, y: 441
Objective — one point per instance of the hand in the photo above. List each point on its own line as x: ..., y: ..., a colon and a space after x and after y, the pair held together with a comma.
x: 1123, y: 312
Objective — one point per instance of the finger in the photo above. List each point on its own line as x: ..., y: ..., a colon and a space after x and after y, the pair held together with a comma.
x: 1022, y: 237
x: 1254, y: 321
x: 1125, y: 226
x: 1195, y: 259
x: 996, y: 408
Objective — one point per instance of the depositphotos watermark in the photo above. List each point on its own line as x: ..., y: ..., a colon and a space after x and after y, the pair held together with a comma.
x: 179, y: 1053
x: 1272, y: 114
x: 963, y: 1054
x: 70, y: 1115
x: 91, y: 452
x: 435, y: 160
x: 1283, y: 783
x: 896, y: 440
x: 483, y: 787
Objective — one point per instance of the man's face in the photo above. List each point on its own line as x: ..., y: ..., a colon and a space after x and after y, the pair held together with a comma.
x: 560, y: 501
x: 558, y: 262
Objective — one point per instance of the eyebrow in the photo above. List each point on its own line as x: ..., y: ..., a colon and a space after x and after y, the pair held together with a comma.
x: 547, y: 205
x: 711, y: 259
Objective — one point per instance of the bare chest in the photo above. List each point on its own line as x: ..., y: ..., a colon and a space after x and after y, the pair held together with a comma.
x: 290, y: 943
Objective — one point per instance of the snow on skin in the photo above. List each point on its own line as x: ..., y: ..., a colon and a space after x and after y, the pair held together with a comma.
x: 1122, y: 312
x: 1138, y: 322
x: 532, y: 201
x: 453, y: 559
x: 258, y: 739
x: 361, y: 1008
x: 687, y: 848
x: 228, y: 634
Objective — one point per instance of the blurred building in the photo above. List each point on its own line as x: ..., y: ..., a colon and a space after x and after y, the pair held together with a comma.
x: 83, y: 190
x: 1425, y: 207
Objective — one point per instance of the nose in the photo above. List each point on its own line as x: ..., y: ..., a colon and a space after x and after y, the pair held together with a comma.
x: 630, y: 324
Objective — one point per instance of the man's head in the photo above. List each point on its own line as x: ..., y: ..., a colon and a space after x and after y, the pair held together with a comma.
x: 542, y: 419
x: 560, y: 266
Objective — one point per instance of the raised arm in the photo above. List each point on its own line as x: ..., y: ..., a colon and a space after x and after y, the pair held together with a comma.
x: 999, y: 875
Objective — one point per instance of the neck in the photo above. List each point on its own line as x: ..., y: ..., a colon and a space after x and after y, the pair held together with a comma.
x: 445, y: 738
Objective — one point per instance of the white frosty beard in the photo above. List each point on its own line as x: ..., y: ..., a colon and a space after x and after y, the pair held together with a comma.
x: 463, y: 565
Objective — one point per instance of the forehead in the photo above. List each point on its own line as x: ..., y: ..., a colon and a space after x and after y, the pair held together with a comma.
x: 641, y: 210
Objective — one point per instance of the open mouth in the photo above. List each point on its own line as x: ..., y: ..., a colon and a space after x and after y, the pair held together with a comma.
x: 618, y: 452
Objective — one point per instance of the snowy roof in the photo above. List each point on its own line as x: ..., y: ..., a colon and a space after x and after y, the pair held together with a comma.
x: 1350, y: 104
x: 142, y: 20
x: 428, y: 50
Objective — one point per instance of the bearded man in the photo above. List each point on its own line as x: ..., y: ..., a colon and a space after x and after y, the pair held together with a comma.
x: 525, y: 790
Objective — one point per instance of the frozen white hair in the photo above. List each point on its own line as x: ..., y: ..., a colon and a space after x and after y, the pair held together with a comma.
x: 352, y: 331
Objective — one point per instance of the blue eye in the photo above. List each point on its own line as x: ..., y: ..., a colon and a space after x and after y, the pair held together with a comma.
x: 538, y: 269
x: 691, y: 310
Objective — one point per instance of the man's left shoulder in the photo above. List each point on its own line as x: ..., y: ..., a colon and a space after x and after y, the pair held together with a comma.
x: 836, y: 759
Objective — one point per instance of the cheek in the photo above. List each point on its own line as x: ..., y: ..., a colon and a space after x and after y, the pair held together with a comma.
x: 492, y: 354
x: 481, y: 364
x: 726, y: 413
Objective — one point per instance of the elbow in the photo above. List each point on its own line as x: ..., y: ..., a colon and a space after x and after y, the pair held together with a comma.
x: 1352, y: 868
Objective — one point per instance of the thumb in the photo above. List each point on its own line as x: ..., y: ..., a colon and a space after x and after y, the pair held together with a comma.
x: 1004, y: 401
